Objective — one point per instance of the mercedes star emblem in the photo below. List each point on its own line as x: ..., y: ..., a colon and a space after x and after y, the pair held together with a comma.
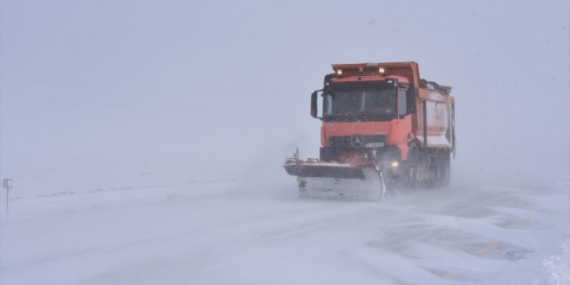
x: 356, y: 141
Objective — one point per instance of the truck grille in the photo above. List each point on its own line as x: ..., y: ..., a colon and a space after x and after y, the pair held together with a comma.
x: 347, y: 141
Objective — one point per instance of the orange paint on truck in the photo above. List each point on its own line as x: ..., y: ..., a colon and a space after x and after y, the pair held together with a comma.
x: 383, y: 115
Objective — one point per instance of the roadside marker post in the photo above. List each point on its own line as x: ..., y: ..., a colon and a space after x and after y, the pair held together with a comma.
x: 7, y: 183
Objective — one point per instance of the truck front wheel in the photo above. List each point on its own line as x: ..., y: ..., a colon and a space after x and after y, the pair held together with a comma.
x: 413, y: 169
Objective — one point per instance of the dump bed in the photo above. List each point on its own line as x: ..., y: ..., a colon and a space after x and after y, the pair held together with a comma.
x: 435, y: 115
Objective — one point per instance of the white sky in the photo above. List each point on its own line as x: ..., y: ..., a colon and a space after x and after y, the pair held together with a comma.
x: 227, y: 78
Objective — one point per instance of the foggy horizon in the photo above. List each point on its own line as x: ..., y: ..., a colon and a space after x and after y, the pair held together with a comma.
x: 95, y: 78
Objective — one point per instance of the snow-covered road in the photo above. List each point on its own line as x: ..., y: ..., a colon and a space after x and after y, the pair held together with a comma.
x: 225, y: 232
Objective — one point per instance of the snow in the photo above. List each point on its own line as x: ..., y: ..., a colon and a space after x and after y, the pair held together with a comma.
x: 228, y: 231
x: 558, y: 267
x: 146, y: 142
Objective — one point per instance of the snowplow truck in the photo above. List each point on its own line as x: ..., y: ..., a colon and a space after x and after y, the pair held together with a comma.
x: 383, y: 128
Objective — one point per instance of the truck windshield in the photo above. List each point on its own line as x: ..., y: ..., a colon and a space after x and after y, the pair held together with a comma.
x: 360, y: 101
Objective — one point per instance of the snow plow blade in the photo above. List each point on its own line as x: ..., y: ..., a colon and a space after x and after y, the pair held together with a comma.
x: 317, y: 179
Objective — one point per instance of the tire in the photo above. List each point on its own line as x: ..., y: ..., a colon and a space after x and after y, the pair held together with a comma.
x: 432, y: 172
x: 411, y: 172
x: 444, y: 170
x: 301, y: 183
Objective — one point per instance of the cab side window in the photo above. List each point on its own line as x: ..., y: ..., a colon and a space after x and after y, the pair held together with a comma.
x: 402, y: 110
x: 411, y: 100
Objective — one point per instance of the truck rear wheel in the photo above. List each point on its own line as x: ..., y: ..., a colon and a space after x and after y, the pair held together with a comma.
x: 443, y: 170
x: 426, y: 171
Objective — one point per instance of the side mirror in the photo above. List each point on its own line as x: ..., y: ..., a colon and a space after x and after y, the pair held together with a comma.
x: 314, y: 110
